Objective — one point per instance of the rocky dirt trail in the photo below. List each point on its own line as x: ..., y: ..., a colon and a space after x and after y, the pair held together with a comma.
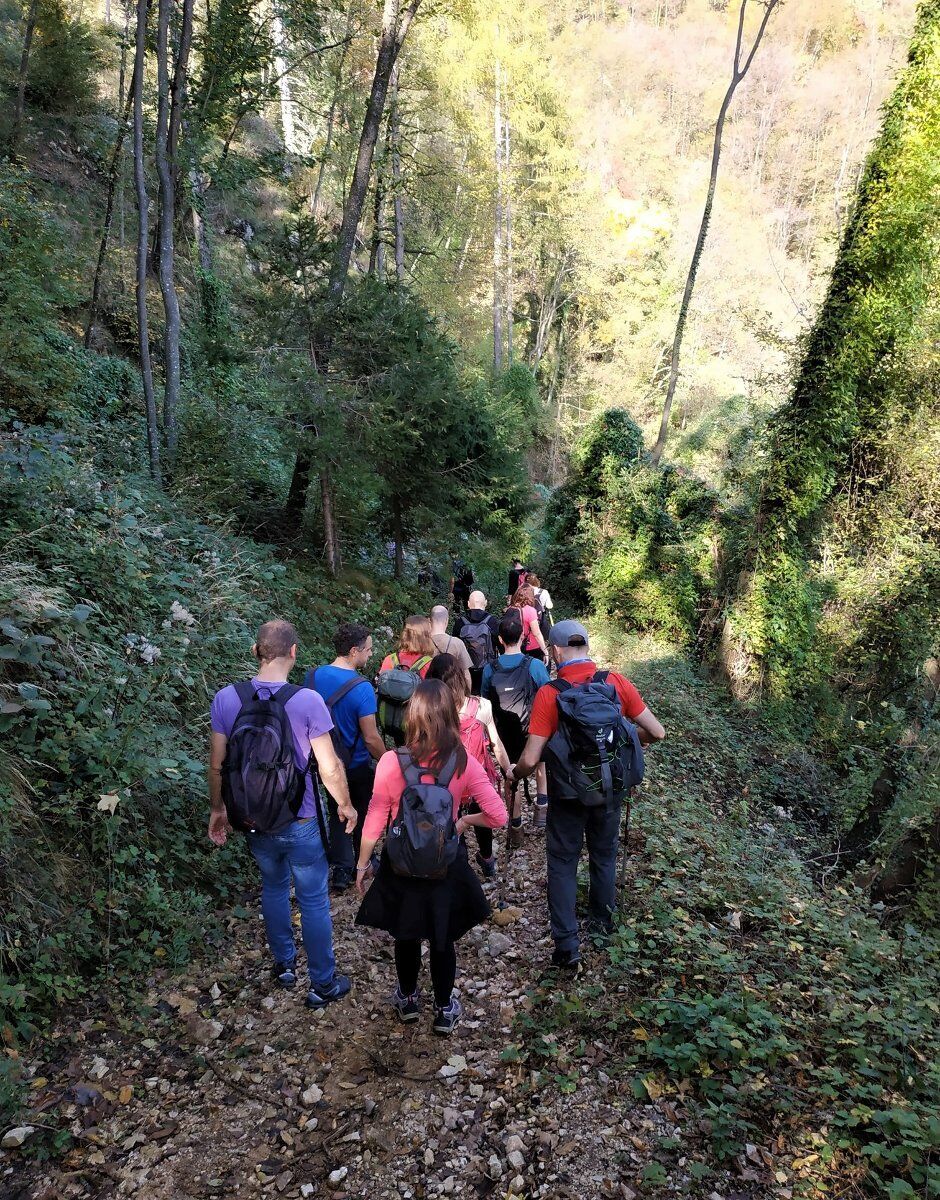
x: 222, y: 1086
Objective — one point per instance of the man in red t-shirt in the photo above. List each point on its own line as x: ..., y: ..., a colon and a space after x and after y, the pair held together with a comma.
x: 570, y: 822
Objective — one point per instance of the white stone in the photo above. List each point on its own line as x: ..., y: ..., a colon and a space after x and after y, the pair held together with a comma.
x: 14, y: 1138
x: 337, y: 1176
x: 313, y: 1095
x: 516, y: 1160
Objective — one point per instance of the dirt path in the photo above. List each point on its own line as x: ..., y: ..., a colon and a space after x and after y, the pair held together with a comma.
x: 223, y: 1086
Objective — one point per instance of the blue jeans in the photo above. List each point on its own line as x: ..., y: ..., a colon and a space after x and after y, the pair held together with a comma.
x: 296, y: 852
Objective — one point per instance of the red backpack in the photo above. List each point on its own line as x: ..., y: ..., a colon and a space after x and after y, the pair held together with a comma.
x: 475, y: 739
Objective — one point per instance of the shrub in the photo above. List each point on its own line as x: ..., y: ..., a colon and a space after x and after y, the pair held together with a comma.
x: 64, y: 62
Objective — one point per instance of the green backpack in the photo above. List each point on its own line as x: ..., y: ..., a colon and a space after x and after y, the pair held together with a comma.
x: 396, y: 687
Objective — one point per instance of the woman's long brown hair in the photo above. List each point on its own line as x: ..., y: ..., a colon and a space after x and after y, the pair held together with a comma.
x: 432, y: 729
x: 524, y: 595
x: 447, y: 669
x: 416, y: 637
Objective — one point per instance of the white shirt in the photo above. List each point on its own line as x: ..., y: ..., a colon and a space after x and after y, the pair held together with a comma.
x: 541, y: 594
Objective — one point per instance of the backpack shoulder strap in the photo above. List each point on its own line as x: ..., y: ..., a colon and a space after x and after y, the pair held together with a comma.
x: 342, y: 691
x: 420, y: 663
x: 600, y: 677
x: 560, y: 685
x: 447, y: 771
x: 310, y: 678
x: 245, y: 690
x: 395, y: 660
x: 284, y: 693
x: 409, y: 768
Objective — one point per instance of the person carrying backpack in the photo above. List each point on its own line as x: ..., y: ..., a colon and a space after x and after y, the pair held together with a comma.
x: 351, y: 701
x: 511, y: 684
x: 448, y: 643
x: 533, y: 642
x: 517, y: 579
x: 543, y: 603
x: 461, y: 584
x: 400, y: 673
x: 479, y: 632
x: 589, y: 727
x: 264, y: 732
x: 480, y: 739
x: 424, y: 888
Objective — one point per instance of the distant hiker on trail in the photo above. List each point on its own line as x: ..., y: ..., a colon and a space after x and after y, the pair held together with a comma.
x: 446, y: 643
x: 350, y: 698
x: 400, y: 673
x: 571, y: 718
x: 543, y: 603
x: 533, y: 642
x: 517, y: 579
x: 424, y: 888
x: 479, y: 632
x: 511, y: 684
x: 461, y: 584
x: 263, y: 733
x: 480, y: 739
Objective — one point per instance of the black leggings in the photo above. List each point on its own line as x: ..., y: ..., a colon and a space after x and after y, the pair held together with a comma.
x: 484, y: 836
x: 443, y: 969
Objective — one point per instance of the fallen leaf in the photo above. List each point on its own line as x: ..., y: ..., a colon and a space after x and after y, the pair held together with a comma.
x: 108, y: 802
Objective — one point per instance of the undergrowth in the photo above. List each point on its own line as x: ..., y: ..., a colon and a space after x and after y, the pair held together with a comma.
x: 788, y: 1019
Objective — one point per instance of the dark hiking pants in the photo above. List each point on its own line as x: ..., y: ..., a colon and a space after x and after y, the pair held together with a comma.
x: 568, y: 826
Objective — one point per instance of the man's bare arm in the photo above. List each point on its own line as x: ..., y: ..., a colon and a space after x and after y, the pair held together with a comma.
x: 530, y: 757
x: 369, y: 729
x: 333, y: 774
x: 218, y: 821
x: 649, y: 728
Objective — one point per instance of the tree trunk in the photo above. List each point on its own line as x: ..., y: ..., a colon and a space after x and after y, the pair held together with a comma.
x: 113, y: 171
x: 140, y: 186
x: 508, y: 211
x: 330, y: 538
x: 737, y: 74
x: 498, y: 232
x: 398, y: 199
x: 166, y: 227
x: 331, y: 118
x: 16, y: 131
x: 288, y: 128
x: 394, y: 31
x: 397, y: 535
x: 377, y: 255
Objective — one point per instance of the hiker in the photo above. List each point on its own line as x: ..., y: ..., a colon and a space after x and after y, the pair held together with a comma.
x: 400, y: 674
x: 533, y: 642
x: 461, y: 584
x: 480, y: 739
x: 517, y: 579
x: 578, y: 809
x: 446, y: 643
x: 479, y: 632
x: 424, y: 888
x: 543, y: 603
x: 267, y: 722
x: 352, y: 705
x: 511, y: 684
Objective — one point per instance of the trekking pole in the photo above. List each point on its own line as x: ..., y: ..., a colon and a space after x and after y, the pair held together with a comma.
x: 626, y: 845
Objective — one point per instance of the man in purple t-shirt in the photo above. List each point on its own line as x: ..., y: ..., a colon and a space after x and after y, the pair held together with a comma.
x: 297, y: 851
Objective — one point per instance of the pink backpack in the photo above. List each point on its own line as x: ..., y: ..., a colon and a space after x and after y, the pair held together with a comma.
x: 475, y: 739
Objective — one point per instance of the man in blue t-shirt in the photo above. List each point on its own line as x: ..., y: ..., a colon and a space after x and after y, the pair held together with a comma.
x: 514, y: 726
x: 353, y: 716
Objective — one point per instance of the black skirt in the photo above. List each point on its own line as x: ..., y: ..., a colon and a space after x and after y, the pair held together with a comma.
x: 435, y: 910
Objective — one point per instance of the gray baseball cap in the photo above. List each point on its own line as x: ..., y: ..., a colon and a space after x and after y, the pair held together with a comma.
x: 567, y: 633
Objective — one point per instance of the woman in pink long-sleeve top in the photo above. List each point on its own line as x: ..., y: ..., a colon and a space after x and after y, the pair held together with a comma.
x: 439, y: 911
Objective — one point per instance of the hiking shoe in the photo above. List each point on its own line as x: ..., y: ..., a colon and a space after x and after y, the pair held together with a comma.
x: 341, y: 882
x: 539, y: 817
x: 446, y: 1018
x: 487, y: 865
x: 285, y: 973
x: 567, y: 960
x: 407, y: 1007
x: 321, y: 996
x: 516, y: 835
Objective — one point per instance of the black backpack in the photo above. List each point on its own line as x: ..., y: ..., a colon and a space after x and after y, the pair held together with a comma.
x: 595, y: 756
x: 262, y: 786
x: 478, y: 638
x: 512, y: 690
x: 422, y: 841
x: 396, y: 687
x: 343, y: 752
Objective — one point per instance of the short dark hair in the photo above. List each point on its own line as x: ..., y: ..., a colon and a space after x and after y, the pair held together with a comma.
x: 510, y: 627
x: 349, y: 635
x: 275, y: 639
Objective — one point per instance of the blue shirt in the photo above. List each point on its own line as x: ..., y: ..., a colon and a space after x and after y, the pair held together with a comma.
x: 537, y: 670
x: 358, y: 702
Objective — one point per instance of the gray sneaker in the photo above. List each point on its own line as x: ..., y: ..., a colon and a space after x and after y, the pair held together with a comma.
x: 446, y: 1018
x: 539, y: 817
